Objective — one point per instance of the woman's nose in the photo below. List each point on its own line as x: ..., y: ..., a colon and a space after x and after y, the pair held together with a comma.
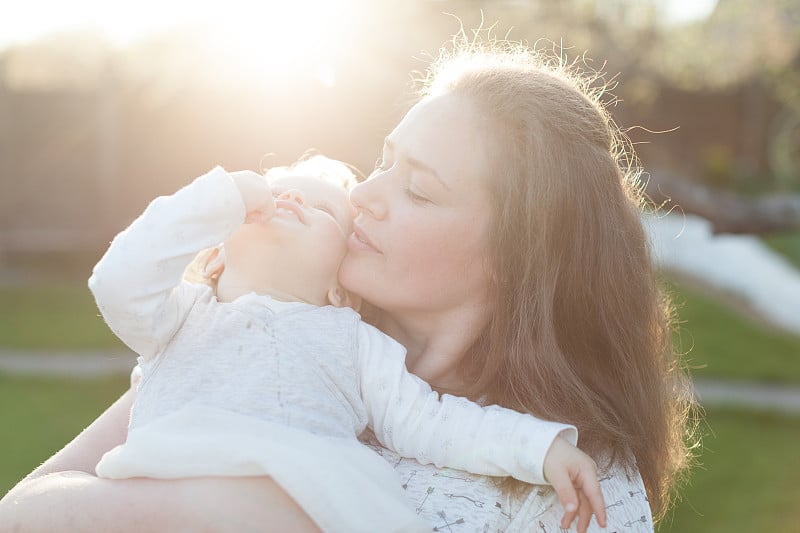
x: 370, y: 197
x: 293, y: 195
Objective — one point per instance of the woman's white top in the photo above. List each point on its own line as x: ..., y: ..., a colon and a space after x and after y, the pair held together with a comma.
x: 460, y: 502
x: 261, y: 387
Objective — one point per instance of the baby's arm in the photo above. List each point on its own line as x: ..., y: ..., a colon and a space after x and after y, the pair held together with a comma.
x: 409, y: 417
x: 137, y: 283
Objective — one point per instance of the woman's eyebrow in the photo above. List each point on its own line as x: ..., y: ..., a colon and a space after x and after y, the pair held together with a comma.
x: 418, y: 165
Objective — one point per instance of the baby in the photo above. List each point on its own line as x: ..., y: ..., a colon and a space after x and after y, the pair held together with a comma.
x: 269, y: 371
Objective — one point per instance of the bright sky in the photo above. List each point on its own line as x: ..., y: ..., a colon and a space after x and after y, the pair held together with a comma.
x: 123, y: 21
x: 687, y: 10
x: 120, y: 21
x: 126, y: 20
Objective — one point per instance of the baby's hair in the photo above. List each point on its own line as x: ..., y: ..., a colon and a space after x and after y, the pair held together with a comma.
x: 207, y: 265
x: 319, y: 166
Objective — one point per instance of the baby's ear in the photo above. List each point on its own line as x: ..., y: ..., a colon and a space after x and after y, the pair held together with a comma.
x: 339, y: 297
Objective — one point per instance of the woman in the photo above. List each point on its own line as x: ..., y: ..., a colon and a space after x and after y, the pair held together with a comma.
x: 499, y: 240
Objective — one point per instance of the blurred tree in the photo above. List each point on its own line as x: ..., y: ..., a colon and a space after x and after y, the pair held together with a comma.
x: 746, y: 48
x: 754, y: 45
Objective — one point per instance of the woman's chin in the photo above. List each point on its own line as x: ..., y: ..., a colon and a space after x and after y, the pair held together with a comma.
x: 353, y: 273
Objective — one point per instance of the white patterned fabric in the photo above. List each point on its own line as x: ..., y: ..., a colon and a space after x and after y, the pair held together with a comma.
x: 460, y: 502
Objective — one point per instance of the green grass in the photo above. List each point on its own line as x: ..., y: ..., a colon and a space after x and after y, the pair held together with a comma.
x: 40, y: 416
x: 60, y: 315
x: 786, y: 244
x: 719, y: 342
x: 746, y: 479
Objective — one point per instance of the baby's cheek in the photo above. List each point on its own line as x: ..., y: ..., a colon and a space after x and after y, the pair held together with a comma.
x: 335, y: 242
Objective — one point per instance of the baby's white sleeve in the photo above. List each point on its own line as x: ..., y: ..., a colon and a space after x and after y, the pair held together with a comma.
x: 407, y: 416
x: 137, y: 283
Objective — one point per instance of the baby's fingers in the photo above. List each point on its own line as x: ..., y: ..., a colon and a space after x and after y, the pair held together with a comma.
x: 565, y: 491
x: 584, y: 514
x: 590, y: 490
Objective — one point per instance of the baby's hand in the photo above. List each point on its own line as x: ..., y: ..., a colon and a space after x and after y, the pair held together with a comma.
x: 567, y: 468
x: 256, y: 194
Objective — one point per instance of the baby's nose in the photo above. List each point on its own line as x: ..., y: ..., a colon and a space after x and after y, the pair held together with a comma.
x: 293, y: 195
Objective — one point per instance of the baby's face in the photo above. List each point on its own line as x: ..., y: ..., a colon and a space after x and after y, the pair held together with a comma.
x: 298, y: 251
x: 313, y: 219
x: 320, y: 205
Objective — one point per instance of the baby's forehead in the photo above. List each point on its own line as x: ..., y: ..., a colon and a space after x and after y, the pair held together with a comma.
x: 308, y: 184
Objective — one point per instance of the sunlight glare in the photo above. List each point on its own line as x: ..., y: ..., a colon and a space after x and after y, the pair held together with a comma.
x: 259, y: 40
x: 683, y: 11
x: 327, y: 75
x: 253, y: 36
x: 120, y: 22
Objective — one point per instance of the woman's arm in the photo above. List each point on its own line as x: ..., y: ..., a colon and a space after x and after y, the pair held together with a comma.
x: 28, y: 502
x: 84, y: 451
x: 76, y: 501
x: 64, y: 495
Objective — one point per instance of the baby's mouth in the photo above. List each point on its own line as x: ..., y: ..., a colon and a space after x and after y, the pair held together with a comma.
x: 285, y: 207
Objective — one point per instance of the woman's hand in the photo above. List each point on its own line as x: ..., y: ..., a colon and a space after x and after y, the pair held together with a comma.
x: 256, y: 194
x: 63, y: 494
x: 567, y: 468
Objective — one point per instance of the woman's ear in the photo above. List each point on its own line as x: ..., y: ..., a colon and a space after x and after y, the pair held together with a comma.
x: 339, y: 297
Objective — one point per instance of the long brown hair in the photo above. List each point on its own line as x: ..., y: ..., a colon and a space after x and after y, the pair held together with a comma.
x: 581, y: 329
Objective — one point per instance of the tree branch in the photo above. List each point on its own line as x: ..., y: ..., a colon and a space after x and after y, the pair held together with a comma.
x: 728, y: 212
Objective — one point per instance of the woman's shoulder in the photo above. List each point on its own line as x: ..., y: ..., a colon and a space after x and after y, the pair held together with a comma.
x: 452, y: 500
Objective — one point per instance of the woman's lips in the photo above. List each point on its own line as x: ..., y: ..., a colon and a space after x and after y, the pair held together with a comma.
x: 290, y: 206
x: 358, y: 241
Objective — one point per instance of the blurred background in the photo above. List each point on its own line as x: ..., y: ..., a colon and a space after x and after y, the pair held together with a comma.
x: 104, y: 106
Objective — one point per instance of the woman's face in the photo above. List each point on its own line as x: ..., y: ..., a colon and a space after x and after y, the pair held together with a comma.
x: 420, y: 238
